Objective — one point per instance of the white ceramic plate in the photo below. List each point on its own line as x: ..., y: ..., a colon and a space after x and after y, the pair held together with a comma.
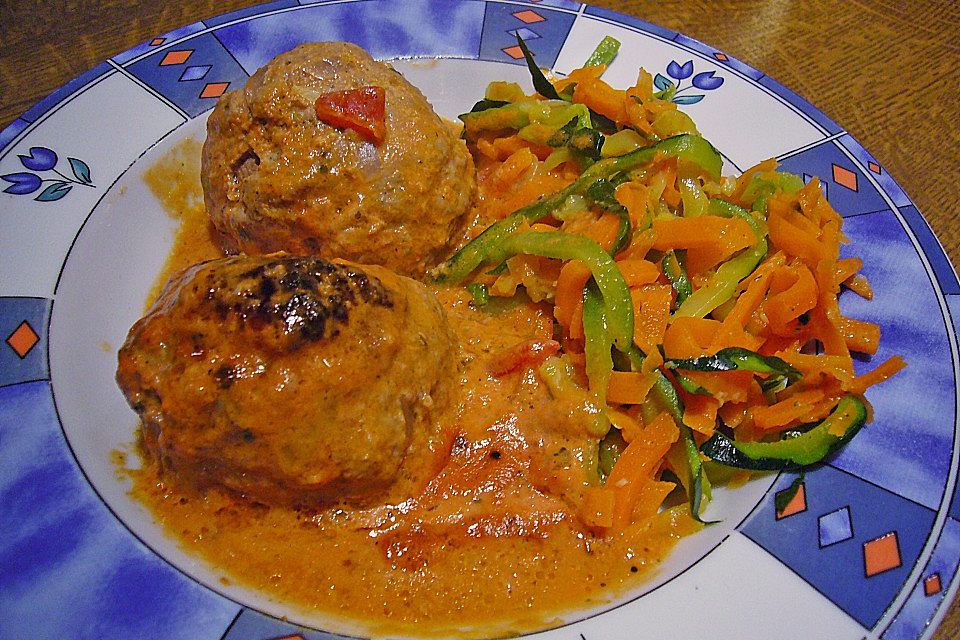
x: 869, y: 549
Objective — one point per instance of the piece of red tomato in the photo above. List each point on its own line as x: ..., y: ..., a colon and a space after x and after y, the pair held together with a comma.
x: 524, y: 355
x: 363, y: 110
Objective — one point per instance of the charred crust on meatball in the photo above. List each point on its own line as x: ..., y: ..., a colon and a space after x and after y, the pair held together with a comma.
x: 304, y: 298
x: 291, y: 380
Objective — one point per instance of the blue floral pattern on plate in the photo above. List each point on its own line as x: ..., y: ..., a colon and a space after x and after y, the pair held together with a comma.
x: 40, y: 160
x: 704, y: 81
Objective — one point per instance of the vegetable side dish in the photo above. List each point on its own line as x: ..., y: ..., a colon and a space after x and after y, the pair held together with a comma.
x: 530, y: 425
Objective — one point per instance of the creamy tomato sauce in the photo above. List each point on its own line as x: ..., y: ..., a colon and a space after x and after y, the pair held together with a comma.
x: 492, y: 545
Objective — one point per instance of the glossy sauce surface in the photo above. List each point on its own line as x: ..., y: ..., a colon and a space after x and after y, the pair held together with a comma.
x: 491, y: 545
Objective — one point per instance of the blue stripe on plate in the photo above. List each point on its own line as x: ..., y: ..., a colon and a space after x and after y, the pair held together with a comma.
x: 248, y: 12
x: 946, y: 276
x: 838, y: 570
x: 559, y: 4
x: 846, y: 186
x: 502, y: 20
x: 914, y: 412
x: 159, y: 42
x: 877, y: 172
x: 36, y: 111
x: 927, y: 594
x: 164, y: 73
x: 802, y: 105
x: 719, y: 56
x: 632, y: 21
x: 70, y: 570
x: 11, y: 131
x: 253, y: 625
x: 23, y: 330
x: 389, y: 29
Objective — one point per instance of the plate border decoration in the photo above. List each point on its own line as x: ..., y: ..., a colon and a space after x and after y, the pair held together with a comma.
x: 181, y: 74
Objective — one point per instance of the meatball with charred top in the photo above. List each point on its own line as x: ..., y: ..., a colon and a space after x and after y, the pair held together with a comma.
x: 328, y: 152
x: 291, y: 380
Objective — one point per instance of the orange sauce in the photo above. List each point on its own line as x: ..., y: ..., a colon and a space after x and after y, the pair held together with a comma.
x: 491, y: 547
x: 175, y: 181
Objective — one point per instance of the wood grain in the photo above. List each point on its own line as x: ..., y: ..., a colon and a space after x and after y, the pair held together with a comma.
x: 884, y: 70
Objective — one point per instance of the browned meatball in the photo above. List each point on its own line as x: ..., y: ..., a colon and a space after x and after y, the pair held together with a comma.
x: 275, y: 178
x: 291, y: 380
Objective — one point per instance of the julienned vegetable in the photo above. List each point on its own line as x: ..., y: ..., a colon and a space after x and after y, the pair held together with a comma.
x: 736, y: 359
x: 696, y: 315
x: 689, y: 148
x: 605, y: 52
x: 616, y: 310
x: 796, y: 449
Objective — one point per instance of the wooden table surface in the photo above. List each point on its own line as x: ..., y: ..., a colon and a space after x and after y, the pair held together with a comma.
x: 884, y: 70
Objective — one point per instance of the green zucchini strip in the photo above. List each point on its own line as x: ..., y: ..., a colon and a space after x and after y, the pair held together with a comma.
x: 566, y: 246
x: 687, y: 146
x: 605, y: 52
x: 736, y: 359
x: 800, y: 451
x: 543, y: 86
x: 597, y: 343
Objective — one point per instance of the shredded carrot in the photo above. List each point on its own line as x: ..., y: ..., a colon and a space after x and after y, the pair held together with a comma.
x: 790, y: 237
x: 785, y: 307
x: 859, y: 284
x: 651, y: 311
x: 736, y: 321
x: 637, y: 464
x: 884, y: 371
x: 579, y: 75
x: 860, y: 336
x: 628, y: 425
x: 638, y: 272
x: 786, y: 412
x: 670, y: 193
x: 797, y: 299
x: 725, y: 386
x: 717, y: 237
x: 629, y: 387
x: 597, y: 508
x: 570, y: 283
x: 700, y: 412
x: 604, y: 231
x: 689, y: 337
x: 635, y: 197
x: 602, y: 98
x: 575, y: 330
x: 847, y: 268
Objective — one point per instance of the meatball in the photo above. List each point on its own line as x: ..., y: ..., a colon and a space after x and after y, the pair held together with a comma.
x: 292, y: 380
x: 276, y: 178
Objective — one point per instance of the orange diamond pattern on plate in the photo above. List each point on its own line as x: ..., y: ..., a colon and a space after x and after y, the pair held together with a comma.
x: 295, y: 636
x: 529, y: 16
x: 23, y: 339
x: 797, y: 504
x: 932, y: 585
x: 214, y: 89
x: 845, y: 177
x: 176, y: 57
x: 514, y: 52
x: 722, y: 57
x: 881, y: 554
x: 156, y: 42
x: 873, y: 166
